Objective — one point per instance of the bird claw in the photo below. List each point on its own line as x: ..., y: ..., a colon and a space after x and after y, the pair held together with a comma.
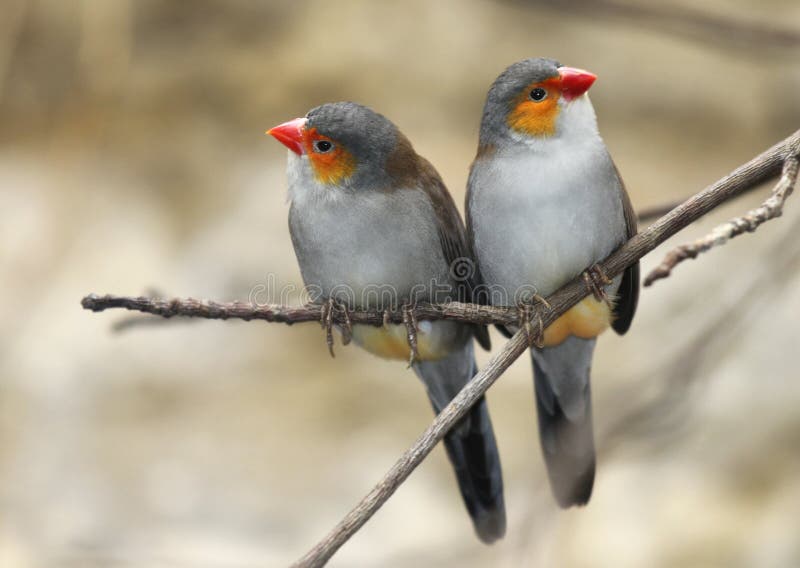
x: 542, y: 300
x: 410, y: 321
x: 326, y: 320
x: 525, y: 313
x: 596, y: 280
x: 347, y: 327
x: 329, y: 308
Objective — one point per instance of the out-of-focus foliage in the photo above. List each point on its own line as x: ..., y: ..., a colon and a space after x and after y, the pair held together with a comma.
x: 132, y: 156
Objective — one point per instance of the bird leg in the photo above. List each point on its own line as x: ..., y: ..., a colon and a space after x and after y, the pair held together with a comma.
x: 347, y: 326
x: 596, y: 281
x: 329, y: 308
x: 539, y: 339
x: 326, y: 320
x: 524, y: 320
x: 410, y: 321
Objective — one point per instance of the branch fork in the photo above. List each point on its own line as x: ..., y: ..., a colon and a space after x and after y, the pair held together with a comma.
x: 771, y: 208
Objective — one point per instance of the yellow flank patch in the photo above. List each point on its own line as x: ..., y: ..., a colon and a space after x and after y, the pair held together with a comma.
x: 536, y: 118
x: 586, y: 319
x: 331, y: 167
x: 391, y: 342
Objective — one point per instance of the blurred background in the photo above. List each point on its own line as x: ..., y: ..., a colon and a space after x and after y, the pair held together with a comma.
x: 133, y: 160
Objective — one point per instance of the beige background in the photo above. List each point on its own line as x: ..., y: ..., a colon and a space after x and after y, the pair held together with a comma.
x: 132, y: 157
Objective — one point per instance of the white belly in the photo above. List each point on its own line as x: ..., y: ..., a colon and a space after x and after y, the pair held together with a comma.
x: 373, y: 251
x: 537, y: 222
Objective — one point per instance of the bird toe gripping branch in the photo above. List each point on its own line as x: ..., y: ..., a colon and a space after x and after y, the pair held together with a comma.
x: 347, y: 325
x: 326, y: 320
x: 412, y: 327
x: 596, y: 281
x: 526, y: 311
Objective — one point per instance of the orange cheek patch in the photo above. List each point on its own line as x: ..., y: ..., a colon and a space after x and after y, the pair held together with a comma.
x: 536, y: 118
x: 589, y: 318
x: 331, y: 167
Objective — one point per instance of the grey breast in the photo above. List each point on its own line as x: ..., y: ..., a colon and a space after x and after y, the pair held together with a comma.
x: 365, y: 247
x: 539, y: 220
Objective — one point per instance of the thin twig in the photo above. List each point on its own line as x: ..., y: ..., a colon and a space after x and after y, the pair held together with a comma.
x: 759, y: 169
x: 208, y: 309
x: 647, y: 214
x: 747, y: 223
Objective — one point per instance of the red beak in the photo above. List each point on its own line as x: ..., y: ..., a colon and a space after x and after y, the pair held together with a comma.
x: 290, y: 134
x: 575, y: 82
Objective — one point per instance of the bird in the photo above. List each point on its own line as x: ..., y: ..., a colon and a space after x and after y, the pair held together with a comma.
x: 374, y: 227
x: 545, y: 202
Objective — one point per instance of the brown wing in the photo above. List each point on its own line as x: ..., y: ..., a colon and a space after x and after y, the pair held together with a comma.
x: 453, y: 238
x: 628, y: 293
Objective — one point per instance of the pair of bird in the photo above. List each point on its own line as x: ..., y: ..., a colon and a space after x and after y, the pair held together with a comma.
x: 544, y: 202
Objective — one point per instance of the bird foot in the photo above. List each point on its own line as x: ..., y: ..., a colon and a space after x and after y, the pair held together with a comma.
x: 596, y: 281
x: 525, y: 314
x: 329, y: 308
x: 412, y: 327
x: 347, y: 325
x: 326, y: 321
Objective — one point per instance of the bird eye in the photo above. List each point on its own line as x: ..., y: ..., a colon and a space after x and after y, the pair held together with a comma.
x: 538, y: 94
x: 323, y: 146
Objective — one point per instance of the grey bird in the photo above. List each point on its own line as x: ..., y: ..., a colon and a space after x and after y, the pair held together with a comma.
x: 545, y: 202
x: 373, y: 226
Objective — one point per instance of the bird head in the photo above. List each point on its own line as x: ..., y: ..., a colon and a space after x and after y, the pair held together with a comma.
x: 537, y: 99
x: 342, y: 145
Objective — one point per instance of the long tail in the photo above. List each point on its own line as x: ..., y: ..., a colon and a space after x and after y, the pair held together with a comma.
x: 470, y: 446
x: 564, y: 408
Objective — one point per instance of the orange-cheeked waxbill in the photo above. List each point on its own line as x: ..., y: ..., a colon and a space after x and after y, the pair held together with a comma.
x: 545, y: 202
x: 374, y: 227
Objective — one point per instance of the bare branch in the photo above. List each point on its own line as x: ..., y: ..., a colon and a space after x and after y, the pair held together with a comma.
x: 749, y: 222
x: 208, y: 309
x: 756, y: 171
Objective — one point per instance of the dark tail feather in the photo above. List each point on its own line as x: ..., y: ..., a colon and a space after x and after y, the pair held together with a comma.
x: 473, y: 453
x: 470, y: 445
x: 567, y: 439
